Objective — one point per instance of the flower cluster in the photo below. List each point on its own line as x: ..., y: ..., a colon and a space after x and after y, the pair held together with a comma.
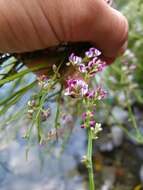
x: 76, y: 88
x: 95, y: 130
x: 93, y: 66
x: 90, y: 64
x: 96, y: 94
x: 32, y: 109
x: 87, y: 67
x: 89, y: 122
x: 43, y: 81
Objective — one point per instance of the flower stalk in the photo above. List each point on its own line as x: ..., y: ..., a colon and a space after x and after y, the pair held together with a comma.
x: 89, y: 158
x: 89, y: 95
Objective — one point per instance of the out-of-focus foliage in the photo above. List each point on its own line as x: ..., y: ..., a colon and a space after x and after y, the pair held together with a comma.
x: 124, y: 79
x: 133, y: 10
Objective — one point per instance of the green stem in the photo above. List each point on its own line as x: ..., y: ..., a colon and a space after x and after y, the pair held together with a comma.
x: 57, y: 125
x: 89, y: 158
x: 38, y: 117
x: 131, y: 115
x: 21, y: 74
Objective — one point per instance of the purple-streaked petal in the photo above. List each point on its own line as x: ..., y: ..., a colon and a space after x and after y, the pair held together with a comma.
x: 82, y: 68
x: 92, y: 52
x: 75, y: 60
x: 92, y: 123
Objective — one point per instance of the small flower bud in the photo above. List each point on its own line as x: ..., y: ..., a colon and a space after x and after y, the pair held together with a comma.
x: 30, y: 111
x: 54, y: 68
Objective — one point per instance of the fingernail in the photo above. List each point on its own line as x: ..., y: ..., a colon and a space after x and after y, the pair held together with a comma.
x: 123, y: 48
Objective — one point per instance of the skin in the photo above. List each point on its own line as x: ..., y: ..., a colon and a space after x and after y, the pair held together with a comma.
x: 36, y: 24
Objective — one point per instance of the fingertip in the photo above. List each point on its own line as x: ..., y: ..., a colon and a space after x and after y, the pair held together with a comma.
x: 112, y: 31
x: 123, y: 48
x: 120, y: 34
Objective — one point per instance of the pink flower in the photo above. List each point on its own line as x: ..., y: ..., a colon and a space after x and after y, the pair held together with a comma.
x: 75, y: 60
x: 100, y: 65
x: 87, y: 114
x: 92, y: 123
x: 92, y: 63
x: 88, y: 119
x: 76, y: 88
x: 97, y: 93
x: 84, y: 115
x: 83, y: 126
x: 92, y: 52
x: 95, y: 66
x: 101, y: 94
x: 90, y: 94
x: 82, y: 68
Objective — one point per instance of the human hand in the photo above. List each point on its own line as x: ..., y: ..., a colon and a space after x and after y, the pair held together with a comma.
x: 38, y: 24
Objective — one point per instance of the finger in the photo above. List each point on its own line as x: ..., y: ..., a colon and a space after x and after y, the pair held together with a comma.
x: 102, y: 25
x: 24, y: 25
x: 30, y: 25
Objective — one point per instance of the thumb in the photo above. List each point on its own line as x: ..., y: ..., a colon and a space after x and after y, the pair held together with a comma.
x: 102, y: 25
